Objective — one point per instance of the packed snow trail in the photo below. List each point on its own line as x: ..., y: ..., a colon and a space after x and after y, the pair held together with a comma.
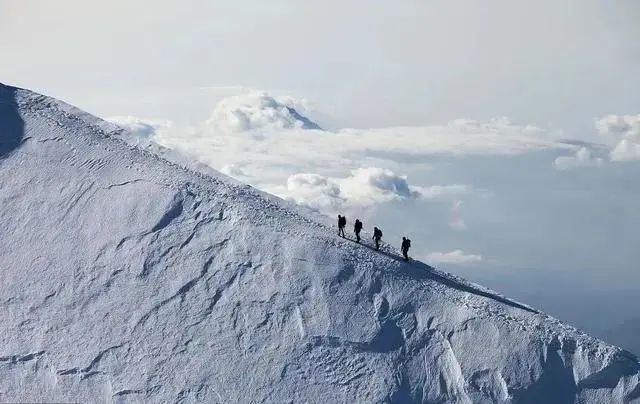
x: 122, y: 282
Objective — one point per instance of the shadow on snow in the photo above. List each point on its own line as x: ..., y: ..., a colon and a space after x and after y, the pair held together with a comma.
x: 11, y: 124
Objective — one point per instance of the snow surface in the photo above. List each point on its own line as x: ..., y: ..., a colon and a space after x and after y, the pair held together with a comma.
x: 129, y: 278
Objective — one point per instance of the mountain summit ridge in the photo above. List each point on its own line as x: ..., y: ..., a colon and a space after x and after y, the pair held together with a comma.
x: 130, y: 278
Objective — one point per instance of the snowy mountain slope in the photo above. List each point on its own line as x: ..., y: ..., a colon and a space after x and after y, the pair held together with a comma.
x: 127, y: 278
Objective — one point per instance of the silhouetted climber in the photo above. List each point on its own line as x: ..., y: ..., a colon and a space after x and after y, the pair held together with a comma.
x: 342, y: 221
x: 406, y: 244
x: 357, y: 228
x: 377, y: 235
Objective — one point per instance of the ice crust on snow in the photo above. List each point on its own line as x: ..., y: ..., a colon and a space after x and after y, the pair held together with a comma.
x: 127, y: 277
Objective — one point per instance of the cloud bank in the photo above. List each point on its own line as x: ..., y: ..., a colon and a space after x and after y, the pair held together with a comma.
x: 265, y: 141
x: 363, y: 188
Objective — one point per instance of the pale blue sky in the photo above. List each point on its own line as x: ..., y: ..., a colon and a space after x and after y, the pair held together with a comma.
x: 557, y: 63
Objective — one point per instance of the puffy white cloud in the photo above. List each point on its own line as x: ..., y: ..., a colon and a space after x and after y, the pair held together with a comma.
x: 455, y: 257
x: 583, y: 157
x: 257, y: 110
x: 372, y: 184
x: 138, y: 130
x: 623, y: 133
x: 316, y: 191
x: 365, y: 187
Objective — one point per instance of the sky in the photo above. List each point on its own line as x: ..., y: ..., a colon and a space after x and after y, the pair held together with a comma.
x: 502, y: 137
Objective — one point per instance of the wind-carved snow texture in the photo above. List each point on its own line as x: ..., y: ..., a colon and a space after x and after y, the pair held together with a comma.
x: 127, y: 278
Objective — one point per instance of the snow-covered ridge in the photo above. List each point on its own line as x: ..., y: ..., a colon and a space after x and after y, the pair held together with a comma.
x: 129, y: 278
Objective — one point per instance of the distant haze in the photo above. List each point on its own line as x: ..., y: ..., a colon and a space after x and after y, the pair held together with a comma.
x: 384, y: 64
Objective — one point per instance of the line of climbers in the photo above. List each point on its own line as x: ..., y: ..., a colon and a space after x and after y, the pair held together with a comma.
x: 377, y: 235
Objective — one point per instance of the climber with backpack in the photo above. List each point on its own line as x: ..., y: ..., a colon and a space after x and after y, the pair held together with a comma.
x: 377, y: 236
x: 406, y: 244
x: 357, y: 228
x: 342, y: 221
